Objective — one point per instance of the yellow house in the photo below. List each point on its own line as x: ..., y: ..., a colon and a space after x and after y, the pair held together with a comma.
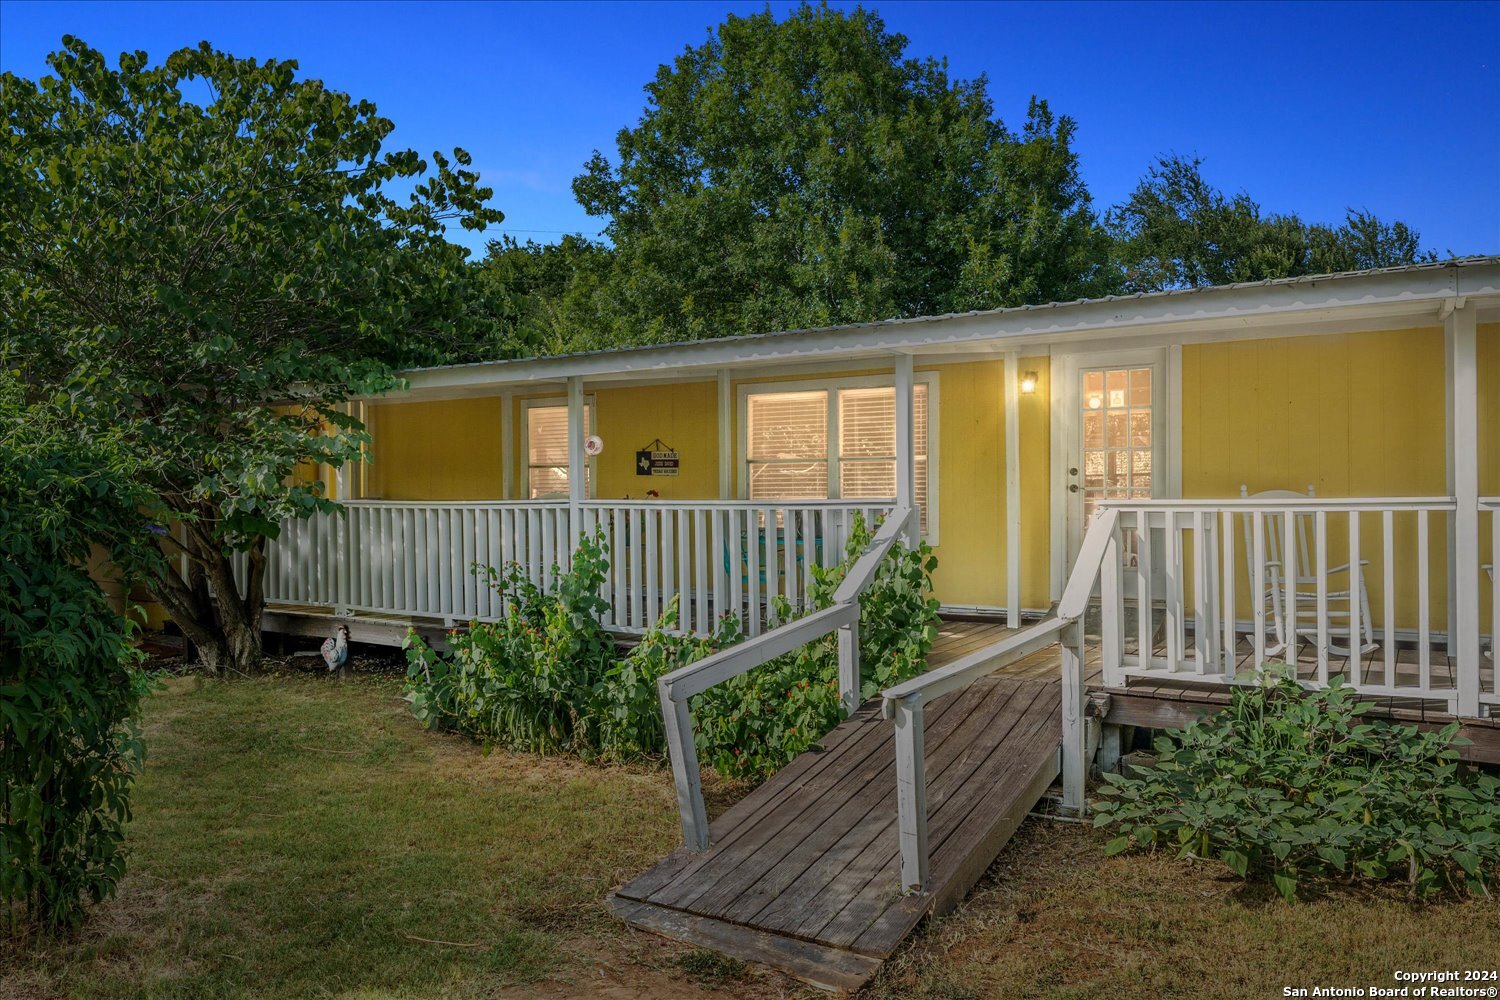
x: 720, y: 471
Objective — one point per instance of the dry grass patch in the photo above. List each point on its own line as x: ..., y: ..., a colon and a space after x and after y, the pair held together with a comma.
x: 1055, y: 918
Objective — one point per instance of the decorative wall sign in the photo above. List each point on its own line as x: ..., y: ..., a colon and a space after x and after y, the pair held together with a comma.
x: 656, y: 459
x: 593, y: 445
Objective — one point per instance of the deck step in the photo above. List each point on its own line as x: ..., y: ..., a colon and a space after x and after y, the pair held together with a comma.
x: 804, y: 873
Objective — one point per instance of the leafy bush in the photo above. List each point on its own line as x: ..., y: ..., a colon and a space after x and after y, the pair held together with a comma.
x: 69, y: 686
x: 548, y: 678
x: 1287, y: 785
x: 756, y: 723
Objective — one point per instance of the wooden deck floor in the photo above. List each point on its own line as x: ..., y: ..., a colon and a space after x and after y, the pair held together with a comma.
x: 804, y: 873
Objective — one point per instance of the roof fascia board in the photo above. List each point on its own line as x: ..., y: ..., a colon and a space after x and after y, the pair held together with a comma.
x: 1357, y: 295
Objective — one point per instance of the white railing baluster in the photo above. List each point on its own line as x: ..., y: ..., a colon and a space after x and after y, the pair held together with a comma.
x: 1388, y: 558
x: 653, y: 567
x: 1356, y: 625
x: 1145, y: 602
x: 1231, y: 637
x: 1202, y: 605
x: 1320, y: 548
x: 753, y: 572
x: 1290, y: 568
x: 1258, y: 584
x: 1175, y: 626
x: 701, y: 578
x: 1424, y: 604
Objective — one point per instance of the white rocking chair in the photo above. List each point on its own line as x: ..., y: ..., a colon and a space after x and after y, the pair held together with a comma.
x: 1305, y: 586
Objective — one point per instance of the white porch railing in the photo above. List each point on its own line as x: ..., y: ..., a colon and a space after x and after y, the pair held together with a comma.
x: 1360, y: 588
x: 721, y: 557
x: 407, y: 558
x: 410, y: 558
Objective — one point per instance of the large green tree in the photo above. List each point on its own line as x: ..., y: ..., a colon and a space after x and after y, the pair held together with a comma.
x: 1176, y: 230
x: 804, y: 171
x: 208, y: 257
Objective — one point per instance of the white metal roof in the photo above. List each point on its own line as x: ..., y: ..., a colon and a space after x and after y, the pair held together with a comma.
x: 1314, y: 303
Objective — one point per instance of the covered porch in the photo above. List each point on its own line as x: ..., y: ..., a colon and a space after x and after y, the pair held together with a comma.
x: 722, y: 474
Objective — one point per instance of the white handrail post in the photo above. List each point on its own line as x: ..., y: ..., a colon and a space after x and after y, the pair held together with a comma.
x: 849, y: 666
x: 577, y: 471
x: 1074, y: 752
x: 905, y: 454
x: 679, y: 725
x: 1460, y: 334
x: 911, y: 793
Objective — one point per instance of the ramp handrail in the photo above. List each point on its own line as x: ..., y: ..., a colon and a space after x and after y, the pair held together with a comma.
x: 842, y: 616
x: 904, y: 702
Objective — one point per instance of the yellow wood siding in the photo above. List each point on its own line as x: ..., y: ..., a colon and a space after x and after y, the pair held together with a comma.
x: 683, y: 415
x: 448, y: 450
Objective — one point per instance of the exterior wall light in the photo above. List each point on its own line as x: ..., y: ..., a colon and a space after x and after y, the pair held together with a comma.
x: 1028, y: 383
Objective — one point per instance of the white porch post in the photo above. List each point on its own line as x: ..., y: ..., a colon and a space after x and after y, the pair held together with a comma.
x: 577, y: 462
x: 726, y: 442
x: 1459, y: 336
x: 905, y: 454
x: 1012, y: 490
x: 507, y: 448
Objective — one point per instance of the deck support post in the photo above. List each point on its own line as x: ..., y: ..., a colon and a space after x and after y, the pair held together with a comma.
x: 679, y: 726
x: 577, y: 466
x: 1459, y: 338
x: 1011, y: 390
x: 1110, y: 740
x: 911, y: 794
x: 906, y: 464
x: 849, y: 666
x: 1074, y: 737
x: 726, y: 438
x: 507, y: 447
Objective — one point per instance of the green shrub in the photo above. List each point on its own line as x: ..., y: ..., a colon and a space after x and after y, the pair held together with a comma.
x: 756, y: 723
x: 69, y: 686
x: 548, y: 678
x: 1287, y: 785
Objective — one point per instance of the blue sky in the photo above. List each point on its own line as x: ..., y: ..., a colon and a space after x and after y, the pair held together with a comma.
x: 1389, y: 107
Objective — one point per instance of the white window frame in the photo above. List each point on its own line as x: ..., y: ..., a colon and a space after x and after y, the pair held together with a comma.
x: 832, y: 386
x: 533, y: 402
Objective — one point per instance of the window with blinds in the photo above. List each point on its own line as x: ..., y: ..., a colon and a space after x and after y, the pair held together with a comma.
x: 787, y: 445
x: 547, y: 452
x: 788, y: 449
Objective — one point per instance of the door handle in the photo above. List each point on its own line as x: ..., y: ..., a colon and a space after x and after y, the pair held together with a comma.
x: 1072, y: 487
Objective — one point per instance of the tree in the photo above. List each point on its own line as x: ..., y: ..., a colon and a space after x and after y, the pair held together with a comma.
x: 1178, y: 231
x: 208, y: 257
x: 804, y: 172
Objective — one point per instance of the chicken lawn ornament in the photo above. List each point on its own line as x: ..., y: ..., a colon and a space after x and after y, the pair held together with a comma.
x: 336, y: 650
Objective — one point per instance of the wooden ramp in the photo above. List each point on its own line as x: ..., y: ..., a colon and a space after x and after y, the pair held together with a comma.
x: 803, y: 874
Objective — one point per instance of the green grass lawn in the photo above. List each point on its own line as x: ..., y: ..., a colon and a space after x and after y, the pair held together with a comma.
x: 297, y: 836
x: 305, y: 837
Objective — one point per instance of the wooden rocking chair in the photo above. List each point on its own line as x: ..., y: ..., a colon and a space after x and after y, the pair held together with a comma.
x: 1305, y: 586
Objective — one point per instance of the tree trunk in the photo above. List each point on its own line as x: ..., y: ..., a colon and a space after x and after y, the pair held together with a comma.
x: 222, y: 624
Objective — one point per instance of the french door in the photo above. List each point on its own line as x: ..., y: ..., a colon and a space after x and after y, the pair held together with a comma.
x: 1115, y: 412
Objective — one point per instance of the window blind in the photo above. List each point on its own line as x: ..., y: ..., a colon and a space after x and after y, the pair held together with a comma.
x: 547, y: 451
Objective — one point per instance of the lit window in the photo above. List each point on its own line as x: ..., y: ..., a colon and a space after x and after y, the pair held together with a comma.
x: 791, y: 454
x: 547, y: 452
